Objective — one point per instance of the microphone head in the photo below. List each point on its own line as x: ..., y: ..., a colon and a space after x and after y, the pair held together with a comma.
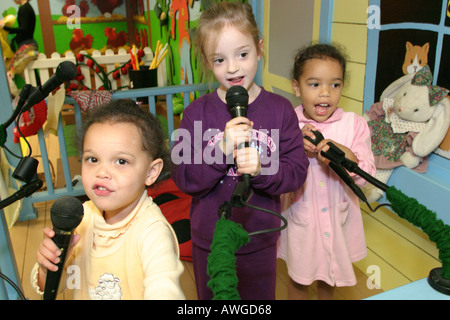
x: 66, y: 71
x: 237, y: 96
x: 66, y: 213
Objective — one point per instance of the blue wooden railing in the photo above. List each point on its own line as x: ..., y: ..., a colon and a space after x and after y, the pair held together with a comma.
x: 53, y: 193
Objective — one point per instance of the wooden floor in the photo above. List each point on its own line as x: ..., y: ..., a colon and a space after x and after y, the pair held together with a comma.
x: 398, y: 253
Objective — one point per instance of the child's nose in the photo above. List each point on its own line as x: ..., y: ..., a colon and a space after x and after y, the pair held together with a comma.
x: 233, y: 67
x: 324, y: 91
x: 103, y: 172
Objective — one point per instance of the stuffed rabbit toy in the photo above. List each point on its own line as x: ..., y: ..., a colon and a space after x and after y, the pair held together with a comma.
x: 408, y: 124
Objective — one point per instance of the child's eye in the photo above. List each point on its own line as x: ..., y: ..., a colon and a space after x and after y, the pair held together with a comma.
x: 122, y: 162
x: 336, y: 85
x: 91, y: 159
x: 314, y: 84
x: 243, y: 54
x: 218, y: 60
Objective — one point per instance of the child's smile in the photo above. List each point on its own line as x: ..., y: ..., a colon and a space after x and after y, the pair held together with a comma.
x: 320, y: 88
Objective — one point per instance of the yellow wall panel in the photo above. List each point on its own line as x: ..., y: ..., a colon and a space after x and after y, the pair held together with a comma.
x: 350, y: 11
x: 272, y: 80
x: 354, y: 86
x: 351, y: 105
x: 354, y: 38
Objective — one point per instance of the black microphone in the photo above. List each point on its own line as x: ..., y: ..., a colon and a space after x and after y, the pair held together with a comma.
x: 65, y: 71
x: 336, y: 157
x: 23, y: 96
x: 66, y: 214
x: 237, y: 101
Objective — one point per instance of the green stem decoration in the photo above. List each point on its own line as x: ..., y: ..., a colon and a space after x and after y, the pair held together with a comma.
x: 103, y: 75
x: 417, y: 214
x: 228, y: 238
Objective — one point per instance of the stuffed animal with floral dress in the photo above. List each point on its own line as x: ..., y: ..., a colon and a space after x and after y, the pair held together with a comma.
x: 409, y: 123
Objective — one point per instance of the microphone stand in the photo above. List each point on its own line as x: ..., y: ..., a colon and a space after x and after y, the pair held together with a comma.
x: 239, y: 198
x: 241, y: 194
x: 27, y: 166
x: 23, y: 96
x: 25, y: 191
x: 25, y: 170
x: 409, y: 209
x: 337, y: 156
x: 338, y: 162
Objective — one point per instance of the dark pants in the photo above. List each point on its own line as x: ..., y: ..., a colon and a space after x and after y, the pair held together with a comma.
x: 256, y: 272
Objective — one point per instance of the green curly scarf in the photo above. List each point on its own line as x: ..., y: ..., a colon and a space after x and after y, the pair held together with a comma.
x: 228, y: 238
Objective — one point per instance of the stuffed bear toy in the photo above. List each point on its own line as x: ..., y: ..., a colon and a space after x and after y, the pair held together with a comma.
x: 410, y: 121
x: 31, y: 121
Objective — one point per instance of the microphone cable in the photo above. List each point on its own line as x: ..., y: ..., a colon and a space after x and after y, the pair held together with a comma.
x: 240, y: 201
x: 285, y: 223
x: 338, y: 162
x: 15, y: 286
x: 23, y: 96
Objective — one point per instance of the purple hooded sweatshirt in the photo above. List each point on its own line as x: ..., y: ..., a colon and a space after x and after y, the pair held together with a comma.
x: 203, y: 171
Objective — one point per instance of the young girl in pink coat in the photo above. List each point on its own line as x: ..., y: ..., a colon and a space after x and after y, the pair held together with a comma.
x: 325, y: 232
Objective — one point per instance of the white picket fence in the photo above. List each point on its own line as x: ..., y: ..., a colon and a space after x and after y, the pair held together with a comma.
x: 109, y: 60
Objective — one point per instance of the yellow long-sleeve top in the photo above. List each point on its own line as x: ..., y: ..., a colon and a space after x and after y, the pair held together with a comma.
x: 136, y: 258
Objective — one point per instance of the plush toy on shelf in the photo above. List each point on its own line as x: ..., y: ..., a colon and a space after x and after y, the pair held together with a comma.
x: 410, y: 121
x: 8, y: 21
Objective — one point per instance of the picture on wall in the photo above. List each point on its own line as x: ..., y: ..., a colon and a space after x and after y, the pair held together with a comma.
x: 401, y: 52
x: 421, y: 42
x: 444, y: 77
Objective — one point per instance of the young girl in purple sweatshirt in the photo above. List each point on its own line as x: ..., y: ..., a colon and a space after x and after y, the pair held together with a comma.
x: 208, y: 165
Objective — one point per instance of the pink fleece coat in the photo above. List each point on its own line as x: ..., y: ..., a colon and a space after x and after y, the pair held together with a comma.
x: 325, y: 233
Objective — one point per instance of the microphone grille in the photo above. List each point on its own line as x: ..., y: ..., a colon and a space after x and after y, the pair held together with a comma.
x: 66, y: 71
x: 66, y: 213
x: 236, y: 96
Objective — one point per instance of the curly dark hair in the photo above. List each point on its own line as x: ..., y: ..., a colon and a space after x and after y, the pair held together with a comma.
x: 318, y: 51
x: 126, y: 110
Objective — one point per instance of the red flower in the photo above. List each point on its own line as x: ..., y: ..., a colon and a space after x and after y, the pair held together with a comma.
x: 90, y: 63
x: 72, y: 86
x: 80, y: 57
x: 116, y: 75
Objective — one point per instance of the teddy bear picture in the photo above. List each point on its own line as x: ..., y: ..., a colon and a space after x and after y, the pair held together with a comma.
x: 410, y: 121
